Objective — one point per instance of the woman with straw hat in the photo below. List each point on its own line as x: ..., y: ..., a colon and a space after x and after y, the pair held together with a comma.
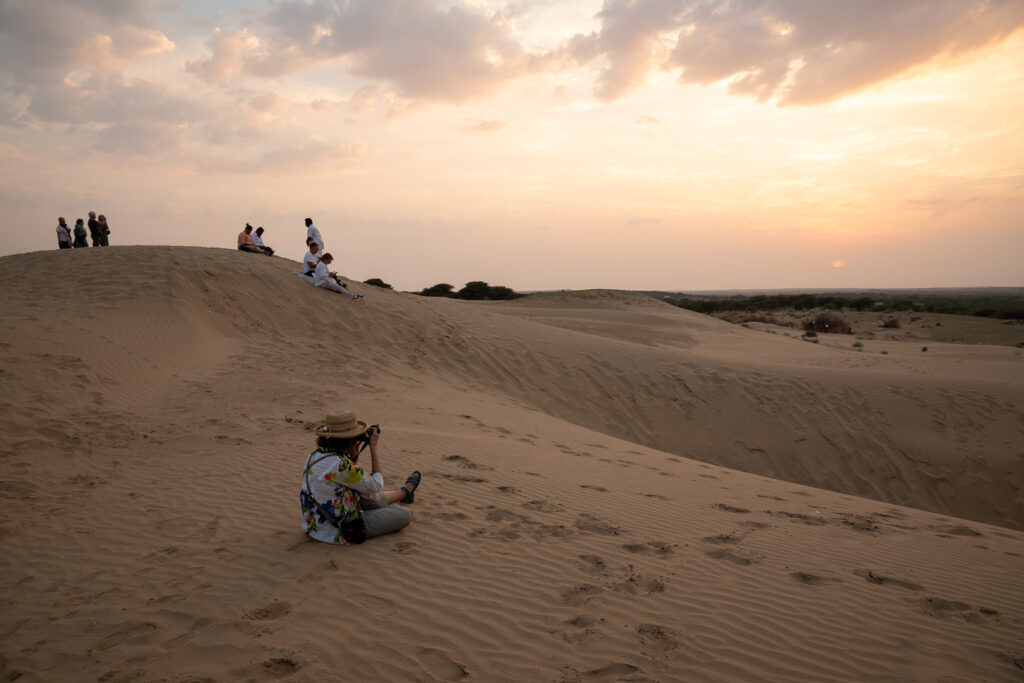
x: 341, y: 503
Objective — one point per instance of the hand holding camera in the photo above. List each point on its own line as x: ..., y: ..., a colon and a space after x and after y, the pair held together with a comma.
x: 370, y: 437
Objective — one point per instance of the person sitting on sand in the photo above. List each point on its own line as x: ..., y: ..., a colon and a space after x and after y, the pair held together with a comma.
x: 340, y: 502
x: 245, y: 241
x: 80, y: 235
x: 311, y: 258
x: 257, y: 240
x: 63, y: 234
x: 324, y: 277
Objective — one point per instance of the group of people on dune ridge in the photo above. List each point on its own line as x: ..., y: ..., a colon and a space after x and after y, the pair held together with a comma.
x: 76, y: 238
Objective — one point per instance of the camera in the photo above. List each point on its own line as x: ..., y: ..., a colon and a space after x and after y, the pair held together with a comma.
x: 369, y: 431
x: 365, y: 438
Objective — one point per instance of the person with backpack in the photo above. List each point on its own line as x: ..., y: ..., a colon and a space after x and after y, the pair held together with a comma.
x: 340, y: 502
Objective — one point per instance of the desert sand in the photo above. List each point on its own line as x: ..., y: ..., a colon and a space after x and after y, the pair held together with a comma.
x: 613, y: 488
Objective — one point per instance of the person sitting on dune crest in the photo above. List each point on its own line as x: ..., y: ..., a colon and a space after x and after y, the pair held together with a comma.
x: 245, y: 241
x: 324, y: 277
x: 257, y: 240
x: 340, y: 503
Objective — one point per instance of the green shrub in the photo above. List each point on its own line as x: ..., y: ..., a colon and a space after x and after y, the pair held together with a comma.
x: 442, y: 289
x: 377, y: 282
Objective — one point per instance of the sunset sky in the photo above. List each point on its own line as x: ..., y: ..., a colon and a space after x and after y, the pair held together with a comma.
x: 634, y: 144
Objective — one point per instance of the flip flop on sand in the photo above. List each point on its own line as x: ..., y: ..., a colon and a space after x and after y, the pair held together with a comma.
x: 410, y: 487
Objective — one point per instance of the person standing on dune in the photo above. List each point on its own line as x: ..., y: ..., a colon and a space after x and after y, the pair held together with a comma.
x: 313, y: 235
x: 104, y: 230
x: 94, y: 230
x: 63, y: 234
x: 80, y: 235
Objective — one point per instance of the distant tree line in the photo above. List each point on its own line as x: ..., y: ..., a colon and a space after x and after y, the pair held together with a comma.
x: 475, y: 291
x: 1003, y: 306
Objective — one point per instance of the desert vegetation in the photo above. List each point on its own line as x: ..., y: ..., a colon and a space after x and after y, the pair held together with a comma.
x: 474, y: 291
x: 1006, y: 305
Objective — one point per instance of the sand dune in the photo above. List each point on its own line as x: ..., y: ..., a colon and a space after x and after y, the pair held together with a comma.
x: 583, y: 514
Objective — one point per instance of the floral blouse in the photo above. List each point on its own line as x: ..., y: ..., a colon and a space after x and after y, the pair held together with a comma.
x: 336, y: 483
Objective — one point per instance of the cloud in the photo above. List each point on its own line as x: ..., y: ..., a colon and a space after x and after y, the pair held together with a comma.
x: 424, y: 49
x: 314, y: 156
x: 485, y: 127
x: 42, y: 40
x: 138, y: 138
x: 794, y: 51
x: 109, y: 99
x: 230, y: 52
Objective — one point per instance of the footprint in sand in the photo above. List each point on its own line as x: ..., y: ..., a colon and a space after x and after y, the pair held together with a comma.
x: 655, y: 637
x: 465, y: 463
x: 655, y: 548
x: 581, y: 594
x: 617, y: 671
x: 280, y: 667
x: 939, y: 608
x: 877, y: 579
x: 594, y: 564
x: 599, y: 489
x: 721, y: 539
x: 586, y: 522
x: 404, y: 547
x: 543, y: 506
x: 439, y: 665
x: 800, y: 517
x: 735, y: 558
x: 731, y: 508
x: 274, y: 610
x: 813, y: 579
x: 579, y: 629
x: 636, y: 584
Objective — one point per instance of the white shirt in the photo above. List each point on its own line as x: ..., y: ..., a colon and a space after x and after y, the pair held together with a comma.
x: 314, y: 235
x: 63, y: 234
x: 309, y: 258
x: 257, y: 240
x: 322, y: 273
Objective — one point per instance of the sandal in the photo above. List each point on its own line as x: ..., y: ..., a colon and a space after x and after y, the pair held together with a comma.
x: 412, y: 482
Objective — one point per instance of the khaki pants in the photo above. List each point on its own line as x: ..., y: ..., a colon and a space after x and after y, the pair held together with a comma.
x: 386, y: 520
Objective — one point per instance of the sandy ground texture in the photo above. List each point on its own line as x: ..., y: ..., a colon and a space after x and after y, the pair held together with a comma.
x: 613, y: 488
x: 920, y: 327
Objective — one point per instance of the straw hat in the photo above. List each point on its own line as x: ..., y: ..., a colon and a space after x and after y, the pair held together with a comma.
x: 340, y: 426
